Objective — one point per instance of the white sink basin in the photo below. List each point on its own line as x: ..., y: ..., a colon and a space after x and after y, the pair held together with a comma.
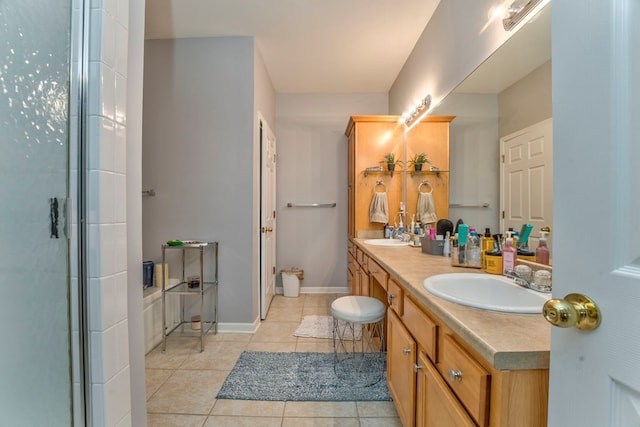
x: 485, y: 291
x: 394, y: 243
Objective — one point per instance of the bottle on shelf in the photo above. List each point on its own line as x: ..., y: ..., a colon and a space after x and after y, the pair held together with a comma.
x: 446, y: 250
x: 474, y: 256
x: 508, y: 256
x: 542, y: 251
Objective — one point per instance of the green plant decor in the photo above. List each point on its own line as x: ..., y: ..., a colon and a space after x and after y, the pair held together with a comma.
x: 389, y: 158
x: 418, y: 160
x: 391, y: 162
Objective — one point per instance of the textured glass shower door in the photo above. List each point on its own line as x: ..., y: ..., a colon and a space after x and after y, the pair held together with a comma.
x: 35, y: 302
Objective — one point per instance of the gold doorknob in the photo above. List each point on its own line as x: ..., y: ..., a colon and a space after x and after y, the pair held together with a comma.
x: 266, y: 229
x: 574, y: 310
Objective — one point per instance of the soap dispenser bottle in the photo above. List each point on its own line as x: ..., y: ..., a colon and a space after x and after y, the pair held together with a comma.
x: 508, y: 256
x: 542, y: 251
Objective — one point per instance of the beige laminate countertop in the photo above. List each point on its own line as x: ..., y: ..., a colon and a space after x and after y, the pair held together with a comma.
x: 507, y: 341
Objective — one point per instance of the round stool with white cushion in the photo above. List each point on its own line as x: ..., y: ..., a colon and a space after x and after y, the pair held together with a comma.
x: 358, y: 339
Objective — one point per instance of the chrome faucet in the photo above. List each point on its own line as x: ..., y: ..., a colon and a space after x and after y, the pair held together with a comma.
x: 403, y: 219
x: 525, y: 283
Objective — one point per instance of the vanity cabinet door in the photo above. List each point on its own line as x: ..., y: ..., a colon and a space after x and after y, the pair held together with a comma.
x: 353, y: 275
x: 362, y: 259
x: 401, y: 378
x: 394, y: 297
x: 436, y: 405
x: 363, y: 278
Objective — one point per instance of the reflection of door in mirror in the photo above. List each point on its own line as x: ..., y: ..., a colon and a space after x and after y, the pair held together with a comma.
x: 526, y: 179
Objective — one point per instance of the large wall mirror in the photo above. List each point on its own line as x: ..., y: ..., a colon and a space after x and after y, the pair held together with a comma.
x: 510, y: 92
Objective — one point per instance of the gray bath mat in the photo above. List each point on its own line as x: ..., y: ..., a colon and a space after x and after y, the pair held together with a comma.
x: 295, y: 377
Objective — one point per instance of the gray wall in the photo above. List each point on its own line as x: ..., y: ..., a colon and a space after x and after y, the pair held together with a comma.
x: 199, y: 155
x: 526, y: 102
x: 312, y: 167
x: 474, y: 153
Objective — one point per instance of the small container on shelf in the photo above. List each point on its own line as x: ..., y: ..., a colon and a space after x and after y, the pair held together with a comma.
x: 193, y: 282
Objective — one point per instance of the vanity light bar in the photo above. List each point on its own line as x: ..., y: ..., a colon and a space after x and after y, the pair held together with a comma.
x: 418, y: 113
x: 517, y: 11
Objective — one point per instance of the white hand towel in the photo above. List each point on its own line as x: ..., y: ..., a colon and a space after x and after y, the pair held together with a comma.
x: 426, y: 210
x: 379, y: 208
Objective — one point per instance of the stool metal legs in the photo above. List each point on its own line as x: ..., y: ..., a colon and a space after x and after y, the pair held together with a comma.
x: 359, y: 355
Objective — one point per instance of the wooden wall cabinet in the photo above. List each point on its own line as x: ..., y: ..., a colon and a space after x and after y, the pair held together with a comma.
x: 370, y: 138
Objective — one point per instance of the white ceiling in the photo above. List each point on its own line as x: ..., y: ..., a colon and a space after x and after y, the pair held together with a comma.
x: 308, y: 46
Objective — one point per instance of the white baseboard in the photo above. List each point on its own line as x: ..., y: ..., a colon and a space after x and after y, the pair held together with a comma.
x: 238, y: 328
x: 153, y: 314
x: 318, y: 290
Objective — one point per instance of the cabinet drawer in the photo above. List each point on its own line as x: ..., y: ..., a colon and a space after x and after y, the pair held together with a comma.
x: 351, y: 248
x: 467, y: 378
x: 423, y: 329
x: 395, y: 296
x: 378, y: 273
x: 362, y: 258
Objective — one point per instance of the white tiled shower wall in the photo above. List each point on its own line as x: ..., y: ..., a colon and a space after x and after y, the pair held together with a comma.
x: 107, y: 226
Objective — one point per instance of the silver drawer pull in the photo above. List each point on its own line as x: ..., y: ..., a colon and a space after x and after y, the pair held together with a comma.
x: 455, y: 375
x: 406, y: 351
x: 390, y: 298
x: 417, y: 367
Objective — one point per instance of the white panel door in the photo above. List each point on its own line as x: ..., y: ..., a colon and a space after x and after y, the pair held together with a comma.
x: 595, y: 376
x: 267, y: 218
x: 527, y: 179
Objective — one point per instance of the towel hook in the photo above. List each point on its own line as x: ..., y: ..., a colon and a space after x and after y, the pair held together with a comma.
x: 384, y: 187
x: 425, y: 182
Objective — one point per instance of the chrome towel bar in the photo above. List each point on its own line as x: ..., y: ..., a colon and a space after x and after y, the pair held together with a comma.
x: 469, y: 205
x: 311, y: 205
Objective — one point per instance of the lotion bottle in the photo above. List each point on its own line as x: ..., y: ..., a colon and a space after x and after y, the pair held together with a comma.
x: 542, y: 251
x: 508, y: 256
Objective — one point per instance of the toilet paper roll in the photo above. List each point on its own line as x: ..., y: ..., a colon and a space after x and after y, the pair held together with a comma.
x: 159, y: 269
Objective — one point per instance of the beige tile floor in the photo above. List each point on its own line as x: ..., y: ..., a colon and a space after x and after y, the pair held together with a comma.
x: 182, y: 383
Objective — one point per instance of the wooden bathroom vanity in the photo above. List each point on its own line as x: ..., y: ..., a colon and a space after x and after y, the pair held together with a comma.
x: 448, y: 364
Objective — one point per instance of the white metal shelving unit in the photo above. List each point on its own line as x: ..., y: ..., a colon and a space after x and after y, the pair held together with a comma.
x: 207, y: 290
